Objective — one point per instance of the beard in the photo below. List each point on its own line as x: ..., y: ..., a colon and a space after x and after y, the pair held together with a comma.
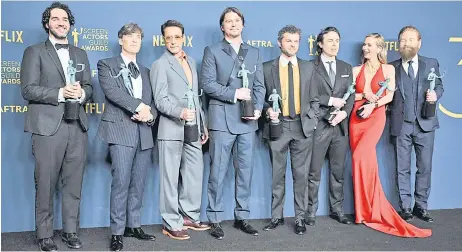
x: 408, y: 52
x: 58, y: 36
x: 287, y: 53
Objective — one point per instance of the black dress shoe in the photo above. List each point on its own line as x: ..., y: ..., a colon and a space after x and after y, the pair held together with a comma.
x: 217, y: 231
x: 47, y: 244
x: 422, y: 214
x: 340, y: 217
x: 310, y: 221
x: 71, y: 240
x: 274, y: 224
x: 406, y: 214
x: 117, y: 244
x: 300, y: 227
x: 139, y: 234
x: 245, y: 226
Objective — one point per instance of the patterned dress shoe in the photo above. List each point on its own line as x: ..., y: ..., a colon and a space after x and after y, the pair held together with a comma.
x: 274, y: 224
x: 422, y: 214
x: 117, y: 243
x: 47, y: 244
x: 217, y: 231
x: 71, y: 240
x: 245, y: 227
x: 197, y: 226
x: 406, y: 214
x: 177, y: 234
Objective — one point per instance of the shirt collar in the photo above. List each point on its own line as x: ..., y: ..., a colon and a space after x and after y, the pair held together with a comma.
x: 181, y: 55
x: 229, y: 42
x: 414, y: 60
x: 324, y: 59
x: 127, y: 61
x: 284, y: 61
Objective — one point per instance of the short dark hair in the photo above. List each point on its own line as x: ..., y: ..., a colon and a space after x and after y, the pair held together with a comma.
x: 130, y: 28
x: 292, y: 29
x: 47, y: 13
x: 231, y: 9
x: 407, y: 28
x: 171, y: 23
x: 320, y: 37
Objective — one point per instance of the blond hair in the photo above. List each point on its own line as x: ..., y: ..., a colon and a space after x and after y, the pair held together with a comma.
x: 380, y: 42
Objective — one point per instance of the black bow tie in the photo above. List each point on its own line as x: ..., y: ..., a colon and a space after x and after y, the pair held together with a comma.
x: 59, y: 46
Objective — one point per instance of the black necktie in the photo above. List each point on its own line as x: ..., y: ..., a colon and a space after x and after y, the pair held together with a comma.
x: 133, y: 70
x: 410, y: 70
x: 59, y: 46
x: 291, y: 101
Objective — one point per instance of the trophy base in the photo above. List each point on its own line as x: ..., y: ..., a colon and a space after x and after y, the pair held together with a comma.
x: 191, y: 133
x: 429, y: 109
x: 359, y: 111
x: 329, y: 116
x: 247, y: 108
x: 275, y: 130
x: 71, y: 110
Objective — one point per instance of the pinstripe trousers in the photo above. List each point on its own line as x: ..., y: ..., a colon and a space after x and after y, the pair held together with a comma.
x: 129, y: 167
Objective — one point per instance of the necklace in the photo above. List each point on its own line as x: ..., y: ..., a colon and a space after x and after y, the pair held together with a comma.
x: 371, y: 68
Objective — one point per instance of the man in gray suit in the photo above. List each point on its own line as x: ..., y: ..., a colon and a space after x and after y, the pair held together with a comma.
x: 180, y: 163
x: 219, y: 80
x: 332, y: 77
x: 126, y: 127
x: 59, y: 146
x: 291, y: 77
x: 408, y: 126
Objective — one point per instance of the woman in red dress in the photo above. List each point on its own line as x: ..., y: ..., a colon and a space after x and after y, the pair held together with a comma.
x: 371, y: 206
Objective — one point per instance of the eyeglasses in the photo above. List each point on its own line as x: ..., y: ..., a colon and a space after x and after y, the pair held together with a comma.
x: 173, y: 38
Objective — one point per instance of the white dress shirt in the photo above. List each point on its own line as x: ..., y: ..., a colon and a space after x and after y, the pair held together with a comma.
x: 284, y: 61
x: 63, y: 55
x: 415, y: 65
x: 138, y: 82
x: 324, y: 60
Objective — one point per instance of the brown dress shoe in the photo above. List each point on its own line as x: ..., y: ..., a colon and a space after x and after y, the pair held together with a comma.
x: 177, y: 235
x: 197, y: 226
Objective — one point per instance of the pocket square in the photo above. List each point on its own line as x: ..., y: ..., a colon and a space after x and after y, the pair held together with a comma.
x: 345, y: 75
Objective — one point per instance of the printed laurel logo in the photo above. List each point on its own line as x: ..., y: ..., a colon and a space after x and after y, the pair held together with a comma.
x: 90, y: 39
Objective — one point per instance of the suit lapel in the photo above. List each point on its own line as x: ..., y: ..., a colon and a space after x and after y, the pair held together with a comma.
x: 322, y: 71
x: 228, y: 49
x: 302, y: 82
x: 145, y: 83
x: 400, y: 78
x: 193, y: 73
x: 421, y: 74
x: 338, y: 76
x: 276, y: 77
x: 54, y: 56
x: 175, y: 65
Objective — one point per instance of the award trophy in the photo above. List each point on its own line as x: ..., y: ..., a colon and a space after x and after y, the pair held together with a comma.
x: 191, y: 131
x: 383, y: 85
x: 429, y: 108
x: 275, y: 125
x: 247, y: 107
x: 126, y: 74
x: 333, y: 110
x: 72, y: 106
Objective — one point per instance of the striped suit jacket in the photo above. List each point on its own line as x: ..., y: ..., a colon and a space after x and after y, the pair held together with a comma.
x: 116, y: 125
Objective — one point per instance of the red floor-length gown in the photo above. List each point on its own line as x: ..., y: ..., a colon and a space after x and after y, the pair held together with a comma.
x: 371, y: 206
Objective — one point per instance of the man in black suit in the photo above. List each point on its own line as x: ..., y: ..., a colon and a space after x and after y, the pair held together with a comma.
x: 59, y: 145
x: 290, y: 77
x: 126, y: 126
x: 408, y: 126
x: 331, y: 78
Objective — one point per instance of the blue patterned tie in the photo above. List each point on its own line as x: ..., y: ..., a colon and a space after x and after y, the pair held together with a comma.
x: 410, y: 70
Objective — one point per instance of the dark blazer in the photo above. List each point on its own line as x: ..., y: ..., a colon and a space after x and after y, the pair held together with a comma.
x: 219, y: 82
x: 309, y: 97
x: 41, y: 78
x: 397, y: 105
x: 116, y: 125
x: 343, y: 79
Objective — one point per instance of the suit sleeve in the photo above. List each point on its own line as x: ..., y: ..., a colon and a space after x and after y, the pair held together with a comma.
x: 114, y: 92
x: 351, y: 100
x: 209, y: 82
x: 154, y: 111
x: 85, y: 83
x: 268, y: 92
x: 314, y: 94
x: 439, y: 90
x: 30, y: 80
x: 258, y: 87
x: 159, y: 84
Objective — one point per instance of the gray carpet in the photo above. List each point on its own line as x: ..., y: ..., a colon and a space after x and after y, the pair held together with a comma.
x: 327, y: 234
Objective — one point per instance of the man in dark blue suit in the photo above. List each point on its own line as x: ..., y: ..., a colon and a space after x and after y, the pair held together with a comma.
x: 408, y: 125
x: 222, y: 83
x: 126, y: 126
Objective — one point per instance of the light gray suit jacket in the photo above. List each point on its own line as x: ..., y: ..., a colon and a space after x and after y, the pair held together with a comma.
x: 169, y: 86
x: 116, y: 125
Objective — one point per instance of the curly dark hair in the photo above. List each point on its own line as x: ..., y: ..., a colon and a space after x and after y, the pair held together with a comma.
x: 56, y: 5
